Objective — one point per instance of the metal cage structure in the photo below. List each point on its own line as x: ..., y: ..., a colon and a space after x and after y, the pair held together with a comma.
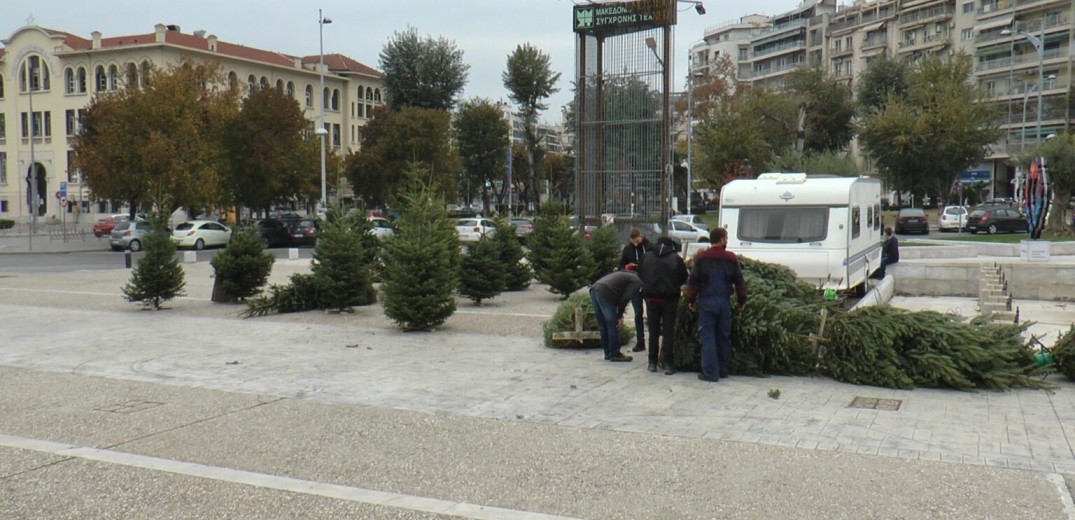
x: 623, y: 110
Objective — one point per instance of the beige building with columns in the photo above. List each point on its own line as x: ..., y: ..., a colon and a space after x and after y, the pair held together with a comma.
x: 58, y: 73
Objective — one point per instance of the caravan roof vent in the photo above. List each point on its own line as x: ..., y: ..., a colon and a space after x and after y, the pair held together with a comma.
x: 791, y: 178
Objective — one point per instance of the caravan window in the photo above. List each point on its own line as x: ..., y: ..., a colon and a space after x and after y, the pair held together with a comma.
x: 783, y: 224
x: 856, y: 221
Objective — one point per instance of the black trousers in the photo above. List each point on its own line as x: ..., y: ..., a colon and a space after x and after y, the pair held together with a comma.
x: 662, y: 324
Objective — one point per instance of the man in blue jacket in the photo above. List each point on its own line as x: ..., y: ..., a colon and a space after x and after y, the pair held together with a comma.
x: 715, y: 275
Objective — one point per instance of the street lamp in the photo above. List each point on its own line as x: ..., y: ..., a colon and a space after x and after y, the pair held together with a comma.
x: 690, y: 125
x: 321, y: 131
x: 1039, y: 46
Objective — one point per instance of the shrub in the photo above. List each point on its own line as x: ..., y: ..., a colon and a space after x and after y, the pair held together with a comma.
x: 242, y: 268
x: 605, y: 248
x: 6, y: 223
x: 341, y: 269
x: 158, y: 277
x: 563, y: 321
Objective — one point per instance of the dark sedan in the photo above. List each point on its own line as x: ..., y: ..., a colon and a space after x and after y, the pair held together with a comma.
x: 912, y: 220
x: 995, y: 219
x: 304, y: 233
x: 273, y: 232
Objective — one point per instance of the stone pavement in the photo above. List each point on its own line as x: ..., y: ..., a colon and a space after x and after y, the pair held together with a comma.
x: 329, y: 416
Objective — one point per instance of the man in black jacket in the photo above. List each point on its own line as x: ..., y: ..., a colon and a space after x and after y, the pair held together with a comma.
x: 663, y: 274
x: 637, y: 246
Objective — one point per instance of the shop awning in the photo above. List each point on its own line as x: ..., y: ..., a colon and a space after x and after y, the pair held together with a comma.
x: 999, y: 22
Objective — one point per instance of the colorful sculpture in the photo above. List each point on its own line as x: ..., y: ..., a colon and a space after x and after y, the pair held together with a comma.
x: 1036, y: 197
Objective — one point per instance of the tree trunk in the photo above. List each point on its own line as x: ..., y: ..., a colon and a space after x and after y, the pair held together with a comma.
x: 1058, y: 221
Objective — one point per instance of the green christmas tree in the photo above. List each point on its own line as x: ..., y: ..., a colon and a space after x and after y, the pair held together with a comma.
x: 158, y: 277
x: 519, y: 274
x: 341, y: 269
x: 422, y: 259
x: 241, y: 269
x: 541, y: 240
x: 569, y: 265
x: 481, y: 273
x: 605, y: 248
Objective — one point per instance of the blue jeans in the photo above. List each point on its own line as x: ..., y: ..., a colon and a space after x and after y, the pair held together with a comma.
x: 608, y: 323
x: 640, y: 323
x: 715, y: 322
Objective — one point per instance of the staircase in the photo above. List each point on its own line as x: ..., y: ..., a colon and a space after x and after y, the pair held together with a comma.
x: 994, y: 298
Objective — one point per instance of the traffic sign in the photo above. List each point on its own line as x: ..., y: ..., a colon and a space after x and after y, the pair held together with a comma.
x: 63, y: 201
x: 63, y: 188
x: 58, y: 195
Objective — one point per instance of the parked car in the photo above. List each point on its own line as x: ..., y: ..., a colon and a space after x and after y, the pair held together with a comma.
x: 273, y: 232
x: 683, y: 231
x: 200, y: 234
x: 305, y: 233
x: 104, y: 226
x: 995, y: 219
x: 952, y: 217
x: 523, y: 227
x: 128, y: 235
x: 473, y: 229
x: 382, y: 228
x: 912, y: 220
x: 693, y: 219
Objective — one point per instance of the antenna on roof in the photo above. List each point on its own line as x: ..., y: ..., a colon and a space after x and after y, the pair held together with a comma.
x: 173, y: 28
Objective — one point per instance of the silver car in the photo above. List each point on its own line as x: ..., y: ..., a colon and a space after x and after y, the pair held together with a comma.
x: 128, y: 235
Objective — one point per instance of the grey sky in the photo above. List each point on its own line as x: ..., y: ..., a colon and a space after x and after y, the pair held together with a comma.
x: 486, y: 30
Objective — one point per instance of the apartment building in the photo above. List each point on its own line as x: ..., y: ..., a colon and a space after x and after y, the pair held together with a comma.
x: 730, y: 39
x: 48, y: 77
x: 775, y: 52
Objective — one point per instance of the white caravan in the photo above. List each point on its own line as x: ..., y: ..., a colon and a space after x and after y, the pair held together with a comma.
x: 825, y: 228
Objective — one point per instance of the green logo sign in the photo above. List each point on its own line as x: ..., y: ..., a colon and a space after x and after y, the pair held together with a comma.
x: 630, y: 16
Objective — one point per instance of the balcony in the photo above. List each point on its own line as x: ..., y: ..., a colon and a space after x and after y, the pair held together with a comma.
x: 792, y: 45
x: 927, y: 15
x: 929, y: 42
x: 758, y: 74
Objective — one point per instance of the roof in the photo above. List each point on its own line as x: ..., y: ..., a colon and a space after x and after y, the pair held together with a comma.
x: 336, y: 62
x: 341, y: 63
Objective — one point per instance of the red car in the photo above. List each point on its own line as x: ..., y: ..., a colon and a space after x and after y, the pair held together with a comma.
x: 104, y: 226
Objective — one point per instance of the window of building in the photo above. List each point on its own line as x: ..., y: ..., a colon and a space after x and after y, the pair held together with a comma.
x: 280, y: 85
x: 145, y: 67
x: 3, y: 126
x: 847, y: 68
x: 968, y: 7
x: 251, y: 82
x: 836, y: 45
x: 69, y: 81
x: 967, y: 34
x: 3, y: 206
x: 324, y: 98
x: 80, y: 84
x: 377, y: 96
x: 335, y: 135
x: 352, y: 134
x: 233, y: 81
x: 336, y: 99
x: 132, y: 76
x: 41, y: 121
x: 290, y: 89
x: 309, y: 96
x: 100, y: 80
x: 71, y: 123
x: 33, y: 75
x: 369, y: 111
x: 1, y: 86
x: 264, y: 83
x: 3, y: 168
x: 369, y: 94
x: 113, y: 77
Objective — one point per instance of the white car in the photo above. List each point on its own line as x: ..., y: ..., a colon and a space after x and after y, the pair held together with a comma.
x: 952, y: 218
x: 381, y: 227
x: 692, y: 219
x: 200, y: 234
x: 473, y: 229
x: 686, y: 232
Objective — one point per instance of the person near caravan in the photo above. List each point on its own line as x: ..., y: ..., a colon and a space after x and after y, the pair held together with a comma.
x: 609, y: 297
x: 890, y: 252
x: 715, y: 275
x: 663, y: 274
x: 637, y: 245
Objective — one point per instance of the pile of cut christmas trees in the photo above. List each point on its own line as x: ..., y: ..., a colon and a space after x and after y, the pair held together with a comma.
x: 881, y: 345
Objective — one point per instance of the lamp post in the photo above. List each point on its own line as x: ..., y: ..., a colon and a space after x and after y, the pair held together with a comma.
x: 34, y: 205
x: 1039, y: 46
x: 690, y: 126
x: 321, y: 131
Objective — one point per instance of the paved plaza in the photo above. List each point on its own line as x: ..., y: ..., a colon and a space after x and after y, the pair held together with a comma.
x: 107, y: 410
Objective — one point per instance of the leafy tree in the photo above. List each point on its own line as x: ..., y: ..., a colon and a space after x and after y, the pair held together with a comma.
x: 754, y: 126
x: 885, y: 76
x: 482, y: 137
x: 826, y: 108
x: 836, y: 163
x: 530, y: 80
x: 939, y: 128
x: 481, y: 274
x: 242, y: 268
x: 422, y: 72
x: 559, y: 171
x: 340, y: 269
x: 510, y: 251
x: 158, y: 277
x: 422, y: 259
x: 162, y: 141
x: 605, y: 248
x: 1059, y: 154
x: 394, y: 140
x: 271, y: 161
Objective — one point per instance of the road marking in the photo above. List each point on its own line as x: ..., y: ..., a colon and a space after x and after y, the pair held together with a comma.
x: 264, y: 480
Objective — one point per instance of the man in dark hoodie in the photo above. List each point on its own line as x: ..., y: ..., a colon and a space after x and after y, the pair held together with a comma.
x: 637, y: 246
x: 715, y: 275
x: 610, y: 296
x: 663, y: 274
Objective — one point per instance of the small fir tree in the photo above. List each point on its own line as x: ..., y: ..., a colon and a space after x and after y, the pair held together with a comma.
x: 158, y: 277
x: 481, y: 273
x: 540, y: 240
x: 518, y: 273
x: 241, y: 269
x: 569, y: 264
x: 340, y: 268
x: 422, y: 259
x: 605, y: 248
